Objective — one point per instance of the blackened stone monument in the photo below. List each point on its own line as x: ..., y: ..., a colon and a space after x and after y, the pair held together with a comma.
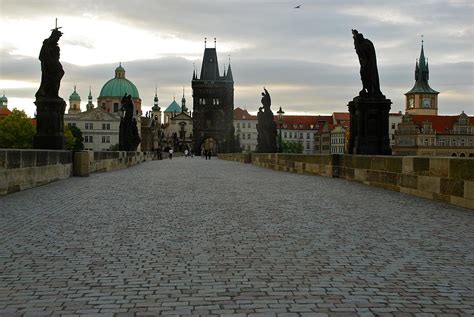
x: 369, y: 112
x: 49, y: 106
x: 128, y: 133
x: 266, y: 126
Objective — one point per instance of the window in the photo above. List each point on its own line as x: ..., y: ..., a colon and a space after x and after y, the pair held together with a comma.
x: 106, y: 139
x: 249, y: 125
x: 285, y: 134
x: 89, y: 126
x: 88, y: 139
x: 116, y: 107
x: 393, y: 126
x: 71, y: 124
x: 307, y: 146
x: 249, y: 136
x: 307, y: 135
x: 301, y: 135
x: 441, y: 142
x: 243, y: 136
x: 215, y: 102
x: 202, y: 101
x: 238, y: 125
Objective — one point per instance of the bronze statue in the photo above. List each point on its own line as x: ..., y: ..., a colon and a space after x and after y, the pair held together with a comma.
x: 266, y: 126
x: 128, y: 135
x: 368, y: 66
x: 51, y: 69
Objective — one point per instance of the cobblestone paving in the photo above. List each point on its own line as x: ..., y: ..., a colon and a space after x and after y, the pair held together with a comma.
x: 197, y: 237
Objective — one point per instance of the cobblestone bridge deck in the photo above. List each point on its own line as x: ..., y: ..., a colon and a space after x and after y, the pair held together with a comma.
x: 197, y: 237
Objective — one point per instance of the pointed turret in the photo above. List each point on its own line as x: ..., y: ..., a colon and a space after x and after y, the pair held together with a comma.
x: 422, y: 75
x: 229, y: 76
x: 89, y: 105
x: 183, y: 103
x: 210, y: 66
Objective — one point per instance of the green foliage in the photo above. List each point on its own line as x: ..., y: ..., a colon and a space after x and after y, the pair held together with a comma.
x: 17, y: 131
x: 70, y: 139
x: 77, y: 133
x: 114, y: 147
x: 292, y: 147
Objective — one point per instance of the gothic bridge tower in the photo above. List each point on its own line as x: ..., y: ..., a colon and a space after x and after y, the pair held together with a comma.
x: 213, y: 106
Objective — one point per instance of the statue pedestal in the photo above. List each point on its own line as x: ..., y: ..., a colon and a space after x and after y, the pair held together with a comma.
x: 369, y: 126
x: 50, y: 124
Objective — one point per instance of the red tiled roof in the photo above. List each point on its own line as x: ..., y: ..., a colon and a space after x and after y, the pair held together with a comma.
x: 345, y: 116
x: 441, y: 124
x: 303, y: 122
x: 241, y: 114
x: 4, y: 112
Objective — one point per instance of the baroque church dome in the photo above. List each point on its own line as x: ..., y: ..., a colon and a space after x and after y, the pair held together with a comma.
x: 119, y: 86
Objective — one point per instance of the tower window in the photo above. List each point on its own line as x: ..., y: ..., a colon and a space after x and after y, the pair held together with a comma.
x: 215, y: 102
x: 202, y: 101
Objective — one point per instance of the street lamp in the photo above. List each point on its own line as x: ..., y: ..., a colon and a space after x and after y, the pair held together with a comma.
x: 280, y: 121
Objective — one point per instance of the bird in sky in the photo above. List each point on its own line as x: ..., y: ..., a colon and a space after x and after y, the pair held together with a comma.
x: 298, y: 6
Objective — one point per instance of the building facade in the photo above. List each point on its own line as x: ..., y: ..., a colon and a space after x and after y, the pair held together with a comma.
x: 213, y: 106
x: 425, y: 135
x: 245, y: 127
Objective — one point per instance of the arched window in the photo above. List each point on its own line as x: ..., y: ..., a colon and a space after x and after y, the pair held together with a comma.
x: 454, y: 154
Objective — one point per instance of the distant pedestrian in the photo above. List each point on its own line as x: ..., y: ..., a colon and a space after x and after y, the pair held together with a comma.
x: 191, y: 153
x: 186, y: 152
x: 171, y: 153
x: 208, y: 154
x: 203, y: 152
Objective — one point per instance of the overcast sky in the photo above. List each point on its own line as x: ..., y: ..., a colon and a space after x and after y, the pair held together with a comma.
x: 304, y: 57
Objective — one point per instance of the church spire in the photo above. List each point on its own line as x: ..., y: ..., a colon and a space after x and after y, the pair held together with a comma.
x: 183, y: 103
x: 422, y: 74
x: 229, y: 73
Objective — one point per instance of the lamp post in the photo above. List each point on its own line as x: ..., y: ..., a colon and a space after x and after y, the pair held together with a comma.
x: 280, y: 113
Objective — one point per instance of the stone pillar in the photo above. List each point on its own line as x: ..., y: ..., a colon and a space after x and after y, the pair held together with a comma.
x: 50, y: 124
x: 369, y: 126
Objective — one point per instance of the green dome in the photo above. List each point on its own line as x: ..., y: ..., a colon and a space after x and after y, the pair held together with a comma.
x: 3, y: 98
x: 75, y: 96
x: 117, y: 87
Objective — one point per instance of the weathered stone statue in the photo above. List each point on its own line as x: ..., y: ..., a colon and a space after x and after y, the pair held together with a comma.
x: 368, y: 65
x: 368, y: 111
x: 128, y: 134
x: 266, y: 126
x: 50, y: 107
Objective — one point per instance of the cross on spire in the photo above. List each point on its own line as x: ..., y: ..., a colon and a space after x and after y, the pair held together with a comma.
x: 56, y: 25
x: 205, y: 42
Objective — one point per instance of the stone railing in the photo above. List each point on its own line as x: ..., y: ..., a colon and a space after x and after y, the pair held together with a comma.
x: 23, y: 169
x: 88, y: 162
x: 450, y: 180
x: 237, y: 157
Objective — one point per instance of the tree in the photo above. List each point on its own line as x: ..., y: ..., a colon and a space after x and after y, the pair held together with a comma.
x: 17, y: 131
x: 114, y: 147
x: 292, y: 147
x: 77, y: 133
x: 70, y: 139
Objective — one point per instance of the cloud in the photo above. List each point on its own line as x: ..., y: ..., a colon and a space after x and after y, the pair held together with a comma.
x: 305, y: 57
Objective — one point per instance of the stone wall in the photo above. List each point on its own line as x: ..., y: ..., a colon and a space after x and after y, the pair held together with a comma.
x: 88, y: 162
x: 23, y: 169
x: 450, y: 180
x: 236, y: 157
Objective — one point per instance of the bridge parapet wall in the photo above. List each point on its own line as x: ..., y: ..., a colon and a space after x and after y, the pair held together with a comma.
x: 24, y: 169
x: 446, y: 179
x: 88, y: 162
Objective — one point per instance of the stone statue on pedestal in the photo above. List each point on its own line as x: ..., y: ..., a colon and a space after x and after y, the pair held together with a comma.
x: 129, y: 138
x: 266, y: 126
x: 370, y: 110
x: 50, y: 107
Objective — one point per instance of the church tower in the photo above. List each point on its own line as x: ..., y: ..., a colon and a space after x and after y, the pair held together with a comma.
x: 89, y: 105
x: 74, y: 103
x: 156, y: 110
x: 422, y: 99
x: 213, y: 106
